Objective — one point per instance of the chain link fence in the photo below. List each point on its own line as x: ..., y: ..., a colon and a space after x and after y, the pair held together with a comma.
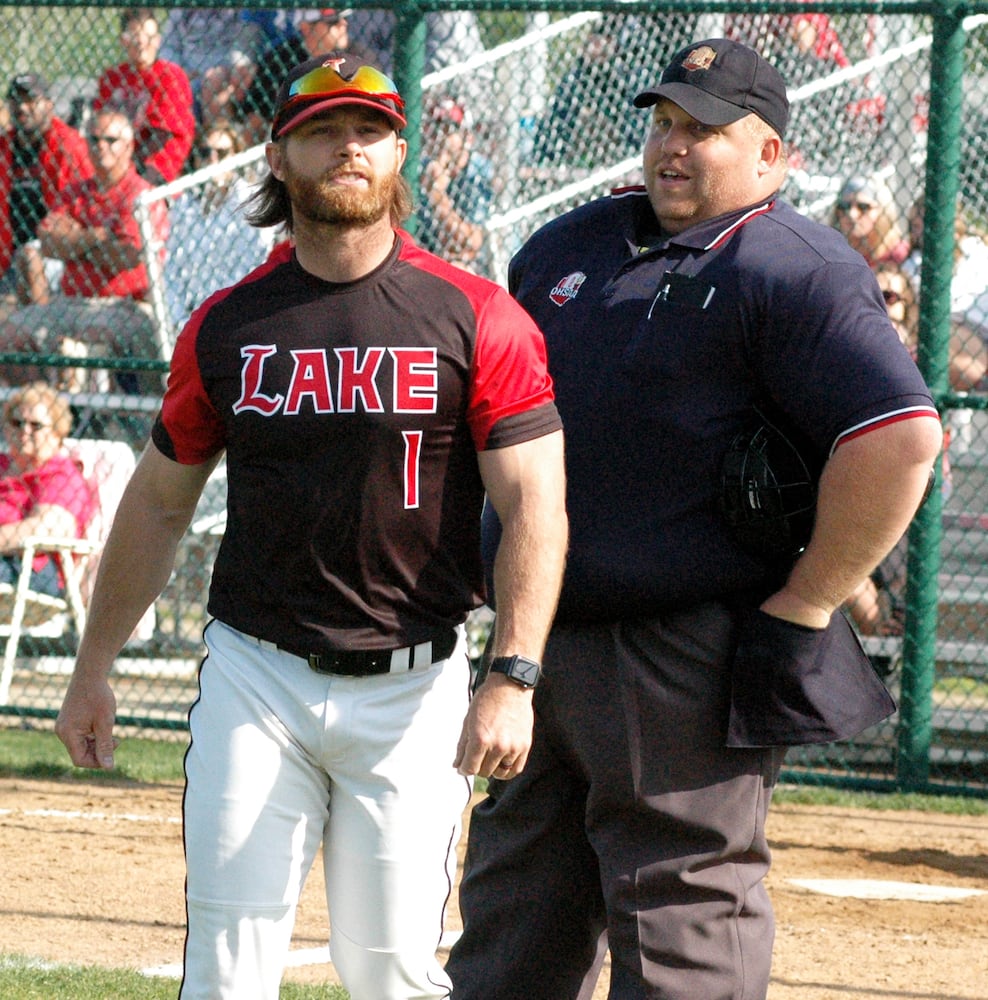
x: 516, y: 113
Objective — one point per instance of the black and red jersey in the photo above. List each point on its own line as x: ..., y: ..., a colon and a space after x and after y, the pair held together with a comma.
x: 351, y: 415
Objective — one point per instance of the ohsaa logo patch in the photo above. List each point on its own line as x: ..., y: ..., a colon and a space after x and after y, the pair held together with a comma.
x: 567, y: 288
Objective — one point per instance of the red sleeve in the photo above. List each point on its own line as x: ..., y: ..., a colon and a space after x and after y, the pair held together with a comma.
x: 170, y: 111
x: 65, y: 161
x: 511, y: 397
x: 104, y: 87
x: 188, y: 428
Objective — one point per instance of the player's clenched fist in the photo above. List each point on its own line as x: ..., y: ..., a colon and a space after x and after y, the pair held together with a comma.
x: 85, y: 723
x: 497, y: 731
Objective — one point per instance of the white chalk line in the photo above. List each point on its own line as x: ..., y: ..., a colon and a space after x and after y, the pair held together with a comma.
x: 863, y: 888
x: 96, y: 817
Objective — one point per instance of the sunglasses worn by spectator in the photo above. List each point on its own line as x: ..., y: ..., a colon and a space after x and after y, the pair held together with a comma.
x: 861, y: 206
x: 110, y: 140
x: 32, y: 425
x: 207, y: 150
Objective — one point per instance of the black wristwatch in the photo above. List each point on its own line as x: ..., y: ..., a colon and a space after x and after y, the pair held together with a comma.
x: 520, y: 669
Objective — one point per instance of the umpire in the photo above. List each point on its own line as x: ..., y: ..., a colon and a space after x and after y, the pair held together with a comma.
x: 684, y: 658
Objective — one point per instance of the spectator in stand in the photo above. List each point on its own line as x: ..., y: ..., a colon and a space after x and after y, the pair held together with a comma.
x: 901, y: 301
x: 814, y: 33
x: 274, y: 26
x: 451, y: 37
x: 866, y: 213
x: 217, y: 49
x: 39, y: 157
x: 968, y: 361
x: 969, y: 347
x: 970, y: 254
x: 210, y: 244
x: 839, y: 125
x: 42, y: 491
x: 92, y: 228
x: 321, y: 31
x: 588, y: 101
x: 457, y: 186
x: 155, y: 94
x: 968, y: 295
x: 791, y: 38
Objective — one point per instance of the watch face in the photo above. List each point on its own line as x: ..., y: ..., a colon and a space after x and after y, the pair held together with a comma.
x: 519, y: 668
x: 525, y: 671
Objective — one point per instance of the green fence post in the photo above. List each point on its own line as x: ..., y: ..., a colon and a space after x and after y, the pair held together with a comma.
x: 915, y: 734
x: 409, y: 64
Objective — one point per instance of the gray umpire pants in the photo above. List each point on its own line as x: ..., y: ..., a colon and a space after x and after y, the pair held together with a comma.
x: 632, y: 819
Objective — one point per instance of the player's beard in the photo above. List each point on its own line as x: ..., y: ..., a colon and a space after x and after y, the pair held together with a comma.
x: 322, y: 201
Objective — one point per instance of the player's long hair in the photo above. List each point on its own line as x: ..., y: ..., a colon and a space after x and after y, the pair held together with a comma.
x: 271, y: 206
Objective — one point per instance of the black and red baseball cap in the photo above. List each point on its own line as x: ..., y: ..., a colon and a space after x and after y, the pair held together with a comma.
x: 719, y: 81
x: 331, y: 80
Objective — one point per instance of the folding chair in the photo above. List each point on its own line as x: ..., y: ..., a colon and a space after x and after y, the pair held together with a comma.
x: 107, y: 466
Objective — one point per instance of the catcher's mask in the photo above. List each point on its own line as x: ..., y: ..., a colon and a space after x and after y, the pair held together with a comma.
x: 768, y: 493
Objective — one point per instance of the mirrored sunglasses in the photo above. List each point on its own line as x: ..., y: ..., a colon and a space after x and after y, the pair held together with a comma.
x: 325, y: 81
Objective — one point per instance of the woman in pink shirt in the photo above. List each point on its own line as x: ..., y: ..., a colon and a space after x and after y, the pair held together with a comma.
x: 42, y: 490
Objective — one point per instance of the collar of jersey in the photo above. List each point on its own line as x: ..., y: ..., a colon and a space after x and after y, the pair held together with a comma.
x: 710, y: 233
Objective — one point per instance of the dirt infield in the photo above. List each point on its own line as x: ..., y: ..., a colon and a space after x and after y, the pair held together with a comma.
x: 93, y: 874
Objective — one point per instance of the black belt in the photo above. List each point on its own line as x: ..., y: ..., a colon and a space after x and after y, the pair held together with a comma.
x: 370, y: 662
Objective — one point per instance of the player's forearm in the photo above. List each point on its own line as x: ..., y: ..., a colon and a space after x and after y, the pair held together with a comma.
x: 527, y: 575
x: 96, y: 244
x: 138, y: 557
x: 868, y: 494
x: 134, y: 568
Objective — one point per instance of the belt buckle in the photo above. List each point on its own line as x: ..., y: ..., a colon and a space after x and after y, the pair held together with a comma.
x: 365, y: 663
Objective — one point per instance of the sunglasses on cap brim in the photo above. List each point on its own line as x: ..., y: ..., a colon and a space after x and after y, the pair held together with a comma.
x: 325, y: 81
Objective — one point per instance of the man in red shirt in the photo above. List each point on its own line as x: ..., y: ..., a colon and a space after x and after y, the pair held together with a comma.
x: 155, y: 93
x: 39, y: 157
x: 92, y: 228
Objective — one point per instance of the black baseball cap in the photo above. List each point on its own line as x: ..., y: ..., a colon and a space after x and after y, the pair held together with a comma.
x: 331, y: 80
x: 32, y: 84
x: 718, y: 81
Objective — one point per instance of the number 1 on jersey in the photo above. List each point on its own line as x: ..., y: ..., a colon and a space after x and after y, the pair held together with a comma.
x: 413, y: 456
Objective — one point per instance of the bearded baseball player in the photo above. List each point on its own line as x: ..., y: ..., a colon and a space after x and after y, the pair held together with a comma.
x: 366, y: 395
x: 685, y: 656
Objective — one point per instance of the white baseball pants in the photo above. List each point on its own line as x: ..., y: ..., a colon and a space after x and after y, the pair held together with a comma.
x: 283, y: 760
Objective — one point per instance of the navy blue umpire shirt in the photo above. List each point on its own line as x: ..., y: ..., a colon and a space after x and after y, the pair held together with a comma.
x: 659, y: 347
